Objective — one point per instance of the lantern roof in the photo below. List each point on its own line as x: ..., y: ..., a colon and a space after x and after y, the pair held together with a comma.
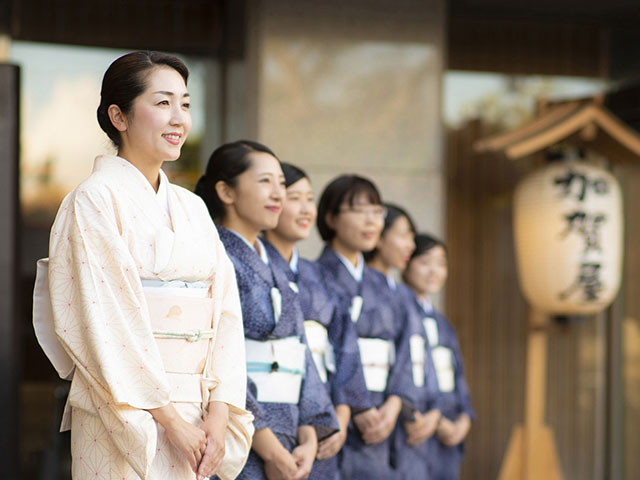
x: 584, y: 122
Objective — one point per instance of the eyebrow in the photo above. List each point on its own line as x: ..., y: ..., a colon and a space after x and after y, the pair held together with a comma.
x: 171, y: 94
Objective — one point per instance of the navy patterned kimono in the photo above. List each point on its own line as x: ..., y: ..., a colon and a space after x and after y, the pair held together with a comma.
x: 379, y: 318
x: 346, y: 385
x: 255, y: 280
x: 444, y: 462
x: 412, y: 462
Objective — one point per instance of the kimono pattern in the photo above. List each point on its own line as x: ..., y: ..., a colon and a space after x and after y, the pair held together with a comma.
x: 379, y: 319
x: 109, y: 234
x: 255, y: 280
x: 346, y: 385
x: 444, y: 462
x: 412, y: 461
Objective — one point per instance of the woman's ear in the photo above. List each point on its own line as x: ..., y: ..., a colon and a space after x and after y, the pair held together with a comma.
x: 329, y: 219
x: 118, y: 118
x: 226, y: 194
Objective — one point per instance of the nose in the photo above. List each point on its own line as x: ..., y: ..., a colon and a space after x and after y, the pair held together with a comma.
x: 278, y: 192
x: 179, y: 116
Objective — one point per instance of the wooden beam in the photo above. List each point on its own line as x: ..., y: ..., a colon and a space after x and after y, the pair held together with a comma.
x: 618, y: 130
x: 552, y: 136
x: 503, y: 140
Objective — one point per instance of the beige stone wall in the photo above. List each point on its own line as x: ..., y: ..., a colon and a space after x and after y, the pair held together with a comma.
x: 354, y: 87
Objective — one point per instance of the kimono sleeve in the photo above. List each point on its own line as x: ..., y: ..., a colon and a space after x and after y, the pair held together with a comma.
x: 315, y: 405
x: 99, y: 310
x: 101, y: 320
x: 348, y: 386
x: 401, y: 376
x: 230, y: 375
x: 229, y: 344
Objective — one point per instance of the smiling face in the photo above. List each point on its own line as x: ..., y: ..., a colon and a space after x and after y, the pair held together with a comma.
x: 159, y: 121
x: 396, y: 244
x: 427, y: 273
x: 357, y: 227
x: 259, y: 193
x: 298, y: 213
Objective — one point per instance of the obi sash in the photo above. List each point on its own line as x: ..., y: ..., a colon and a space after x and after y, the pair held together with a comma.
x: 183, y: 330
x: 181, y: 320
x: 321, y: 349
x: 276, y: 367
x: 443, y: 361
x: 377, y: 356
x: 417, y: 346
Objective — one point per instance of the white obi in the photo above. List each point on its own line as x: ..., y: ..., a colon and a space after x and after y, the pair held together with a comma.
x: 277, y: 368
x: 183, y: 330
x: 443, y: 362
x: 431, y: 327
x: 377, y: 356
x: 417, y: 347
x: 321, y: 348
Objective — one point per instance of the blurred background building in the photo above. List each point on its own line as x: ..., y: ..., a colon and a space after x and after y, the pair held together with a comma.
x: 397, y: 90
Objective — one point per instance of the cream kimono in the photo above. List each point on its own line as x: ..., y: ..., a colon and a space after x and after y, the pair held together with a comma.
x: 110, y: 233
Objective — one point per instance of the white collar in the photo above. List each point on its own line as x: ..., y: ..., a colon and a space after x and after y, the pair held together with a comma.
x: 426, y: 305
x: 162, y: 196
x: 355, y: 271
x: 262, y: 251
x: 391, y: 282
x: 293, y: 263
x: 259, y: 247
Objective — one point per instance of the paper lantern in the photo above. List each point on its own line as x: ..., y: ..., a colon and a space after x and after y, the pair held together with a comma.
x: 568, y: 228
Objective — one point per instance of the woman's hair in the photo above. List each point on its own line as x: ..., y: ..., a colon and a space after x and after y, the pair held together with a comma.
x: 125, y: 79
x: 345, y: 188
x: 424, y: 243
x: 394, y: 212
x: 292, y: 174
x: 226, y: 163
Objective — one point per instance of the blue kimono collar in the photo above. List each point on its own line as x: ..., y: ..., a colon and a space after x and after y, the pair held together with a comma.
x: 356, y: 271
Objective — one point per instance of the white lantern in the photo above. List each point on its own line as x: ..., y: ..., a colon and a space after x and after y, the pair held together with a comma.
x: 568, y: 228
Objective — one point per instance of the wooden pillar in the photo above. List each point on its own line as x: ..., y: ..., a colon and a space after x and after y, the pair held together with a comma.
x: 531, y: 453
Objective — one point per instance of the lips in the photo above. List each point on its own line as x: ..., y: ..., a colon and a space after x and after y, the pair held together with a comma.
x: 172, y: 138
x: 273, y: 208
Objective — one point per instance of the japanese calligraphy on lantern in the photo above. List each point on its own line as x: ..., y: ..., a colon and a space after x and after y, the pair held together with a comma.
x: 568, y: 232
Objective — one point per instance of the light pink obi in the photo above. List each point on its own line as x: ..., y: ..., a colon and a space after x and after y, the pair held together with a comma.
x: 183, y: 329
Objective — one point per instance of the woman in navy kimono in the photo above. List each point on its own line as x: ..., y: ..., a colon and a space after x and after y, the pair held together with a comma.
x: 426, y: 274
x: 330, y: 332
x: 243, y: 188
x: 350, y: 219
x: 392, y: 253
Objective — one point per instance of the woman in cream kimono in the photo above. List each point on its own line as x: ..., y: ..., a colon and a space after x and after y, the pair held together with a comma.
x: 157, y: 392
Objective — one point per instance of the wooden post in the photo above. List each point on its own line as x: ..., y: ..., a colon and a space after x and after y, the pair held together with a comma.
x: 10, y: 365
x: 531, y: 453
